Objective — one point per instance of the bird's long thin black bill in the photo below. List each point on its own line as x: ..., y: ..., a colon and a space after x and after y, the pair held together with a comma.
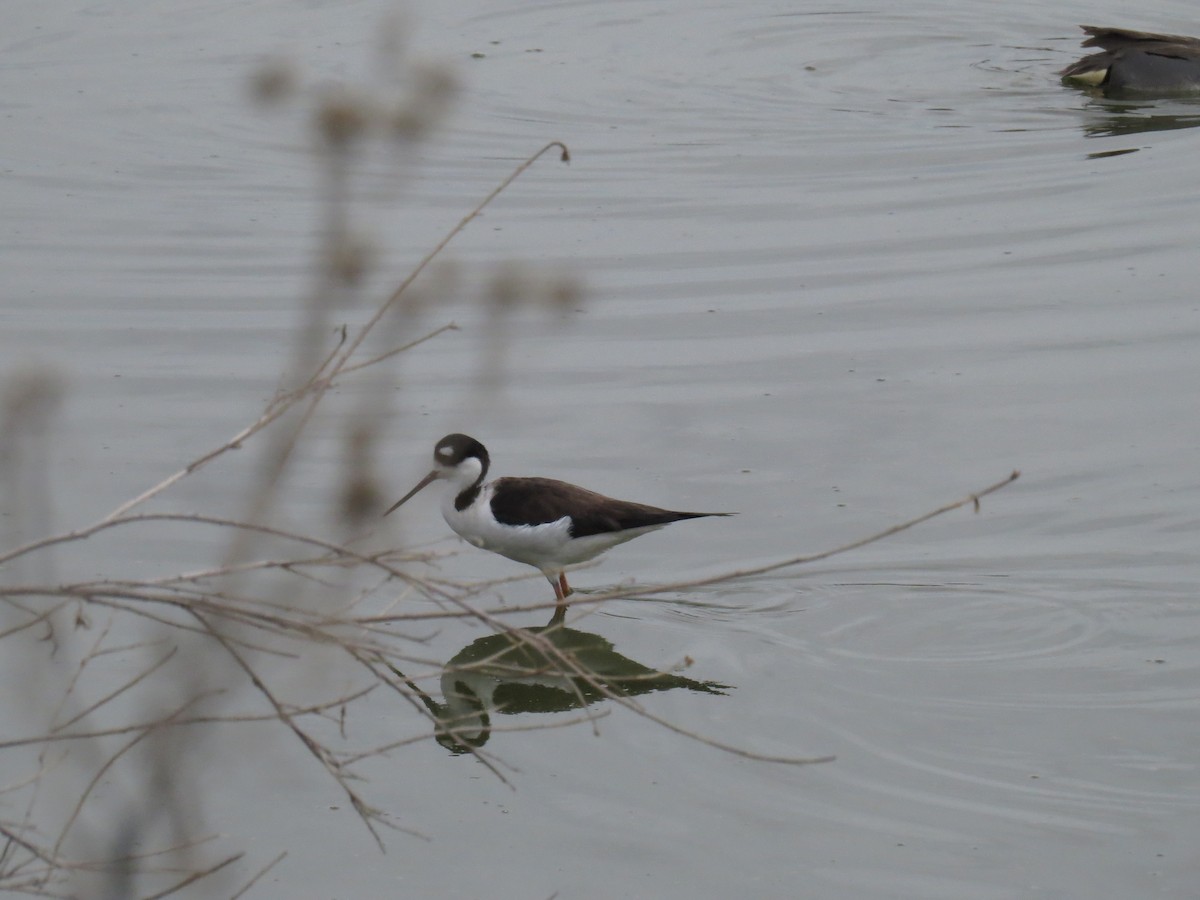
x: 422, y: 483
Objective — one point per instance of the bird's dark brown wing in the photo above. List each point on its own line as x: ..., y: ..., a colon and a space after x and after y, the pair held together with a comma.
x: 1122, y: 38
x: 1135, y: 53
x: 536, y: 501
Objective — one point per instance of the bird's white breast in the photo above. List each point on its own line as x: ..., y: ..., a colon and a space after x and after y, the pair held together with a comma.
x: 535, y: 545
x: 548, y: 546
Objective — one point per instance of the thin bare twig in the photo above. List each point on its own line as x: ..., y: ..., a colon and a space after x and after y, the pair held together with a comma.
x: 193, y: 877
x: 365, y: 812
x: 74, y: 816
x: 116, y: 692
x: 180, y: 722
x: 261, y: 872
x: 629, y: 591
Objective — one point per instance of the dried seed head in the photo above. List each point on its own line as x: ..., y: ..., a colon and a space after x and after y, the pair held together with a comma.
x: 351, y: 257
x: 275, y: 80
x: 31, y: 395
x: 432, y: 88
x: 564, y: 292
x: 343, y: 116
x: 361, y: 499
x: 361, y: 496
x: 434, y: 82
x: 508, y: 287
x: 410, y: 121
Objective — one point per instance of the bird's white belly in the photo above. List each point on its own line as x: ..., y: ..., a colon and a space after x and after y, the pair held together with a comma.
x: 548, y: 546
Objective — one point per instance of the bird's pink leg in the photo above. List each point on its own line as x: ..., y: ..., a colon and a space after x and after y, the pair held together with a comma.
x: 561, y: 590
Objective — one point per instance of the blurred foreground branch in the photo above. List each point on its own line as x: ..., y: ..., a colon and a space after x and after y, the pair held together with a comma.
x: 132, y: 684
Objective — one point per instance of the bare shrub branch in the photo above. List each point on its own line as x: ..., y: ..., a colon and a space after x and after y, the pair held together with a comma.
x: 261, y: 620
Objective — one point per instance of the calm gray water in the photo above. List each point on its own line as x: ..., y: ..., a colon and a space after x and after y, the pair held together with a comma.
x: 843, y: 263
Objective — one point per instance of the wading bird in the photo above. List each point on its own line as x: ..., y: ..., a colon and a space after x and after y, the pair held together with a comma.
x: 541, y: 522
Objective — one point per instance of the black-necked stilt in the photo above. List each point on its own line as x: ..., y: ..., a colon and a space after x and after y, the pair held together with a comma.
x: 544, y: 523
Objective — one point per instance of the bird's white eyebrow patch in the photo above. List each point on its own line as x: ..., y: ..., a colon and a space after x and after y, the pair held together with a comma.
x: 445, y: 451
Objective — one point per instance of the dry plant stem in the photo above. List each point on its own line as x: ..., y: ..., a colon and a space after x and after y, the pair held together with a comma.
x: 514, y: 728
x: 216, y: 609
x: 477, y: 752
x: 112, y: 695
x: 87, y: 657
x: 216, y: 604
x: 32, y: 848
x: 134, y: 602
x: 368, y: 814
x: 34, y: 881
x: 261, y: 872
x: 636, y: 591
x: 568, y: 663
x: 27, y: 825
x: 194, y: 877
x: 202, y: 603
x: 395, y: 351
x: 282, y: 447
x: 562, y: 662
x: 35, y: 617
x: 83, y: 533
x: 586, y: 601
x: 280, y: 441
x: 180, y: 722
x: 149, y: 854
x: 571, y: 666
x: 276, y: 408
x: 83, y: 797
x: 490, y: 616
x: 454, y: 232
x: 320, y: 381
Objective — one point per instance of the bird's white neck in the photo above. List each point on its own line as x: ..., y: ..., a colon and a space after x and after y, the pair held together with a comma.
x: 465, y: 474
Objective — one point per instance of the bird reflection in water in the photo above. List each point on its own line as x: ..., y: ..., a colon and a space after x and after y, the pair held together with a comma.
x: 536, y: 670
